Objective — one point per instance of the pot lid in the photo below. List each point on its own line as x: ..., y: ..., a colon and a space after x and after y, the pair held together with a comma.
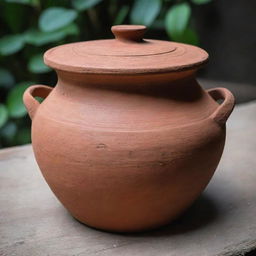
x: 128, y: 53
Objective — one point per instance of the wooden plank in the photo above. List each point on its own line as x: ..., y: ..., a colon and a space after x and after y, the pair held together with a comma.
x: 221, y: 223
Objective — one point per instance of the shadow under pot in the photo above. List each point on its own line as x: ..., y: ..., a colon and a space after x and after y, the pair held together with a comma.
x: 127, y: 139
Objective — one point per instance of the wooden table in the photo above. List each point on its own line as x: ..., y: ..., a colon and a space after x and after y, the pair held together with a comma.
x: 221, y: 222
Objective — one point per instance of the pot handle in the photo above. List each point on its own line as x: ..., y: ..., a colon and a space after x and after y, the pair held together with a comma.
x: 223, y: 111
x: 29, y: 95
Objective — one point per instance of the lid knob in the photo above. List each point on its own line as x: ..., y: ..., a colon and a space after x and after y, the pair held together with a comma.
x: 129, y: 32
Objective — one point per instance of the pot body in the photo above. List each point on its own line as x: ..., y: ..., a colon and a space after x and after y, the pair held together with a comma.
x: 127, y: 155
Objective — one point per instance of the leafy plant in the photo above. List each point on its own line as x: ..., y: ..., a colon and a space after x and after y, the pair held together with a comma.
x: 30, y: 27
x: 145, y: 11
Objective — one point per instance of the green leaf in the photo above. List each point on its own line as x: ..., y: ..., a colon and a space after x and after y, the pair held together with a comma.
x: 121, y: 15
x: 177, y: 19
x: 3, y: 115
x: 11, y: 44
x: 36, y: 3
x: 201, y: 1
x: 189, y: 36
x: 27, y: 2
x: 82, y: 5
x: 144, y: 12
x: 56, y: 17
x: 38, y: 38
x: 36, y: 64
x: 15, y: 104
x: 19, y: 1
x: 6, y: 78
x: 71, y: 29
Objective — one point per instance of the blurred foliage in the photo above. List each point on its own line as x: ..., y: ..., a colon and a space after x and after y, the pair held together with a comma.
x: 30, y: 27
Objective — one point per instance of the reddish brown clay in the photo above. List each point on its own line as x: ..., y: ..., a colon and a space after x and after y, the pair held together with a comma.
x: 127, y: 139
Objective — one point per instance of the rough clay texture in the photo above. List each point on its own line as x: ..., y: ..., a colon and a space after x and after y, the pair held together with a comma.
x: 221, y: 223
x: 128, y: 53
x: 127, y: 151
x: 129, y: 158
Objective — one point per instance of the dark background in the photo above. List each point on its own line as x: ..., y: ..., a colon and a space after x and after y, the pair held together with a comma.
x: 228, y: 33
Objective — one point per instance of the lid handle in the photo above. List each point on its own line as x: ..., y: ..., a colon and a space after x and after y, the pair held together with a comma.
x: 129, y: 32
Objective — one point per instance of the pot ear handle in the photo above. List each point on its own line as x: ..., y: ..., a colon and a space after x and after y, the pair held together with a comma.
x: 29, y: 95
x: 221, y: 114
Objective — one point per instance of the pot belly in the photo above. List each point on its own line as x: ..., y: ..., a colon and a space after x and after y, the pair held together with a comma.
x: 126, y: 181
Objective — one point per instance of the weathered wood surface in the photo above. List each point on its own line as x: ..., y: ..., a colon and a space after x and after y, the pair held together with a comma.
x: 221, y: 222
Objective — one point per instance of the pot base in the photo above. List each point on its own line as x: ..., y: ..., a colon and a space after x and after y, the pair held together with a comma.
x: 143, y: 226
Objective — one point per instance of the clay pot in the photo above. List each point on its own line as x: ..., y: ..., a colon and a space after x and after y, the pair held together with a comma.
x: 127, y: 139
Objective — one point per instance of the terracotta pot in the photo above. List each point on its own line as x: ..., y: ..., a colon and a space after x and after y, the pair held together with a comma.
x: 127, y: 139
